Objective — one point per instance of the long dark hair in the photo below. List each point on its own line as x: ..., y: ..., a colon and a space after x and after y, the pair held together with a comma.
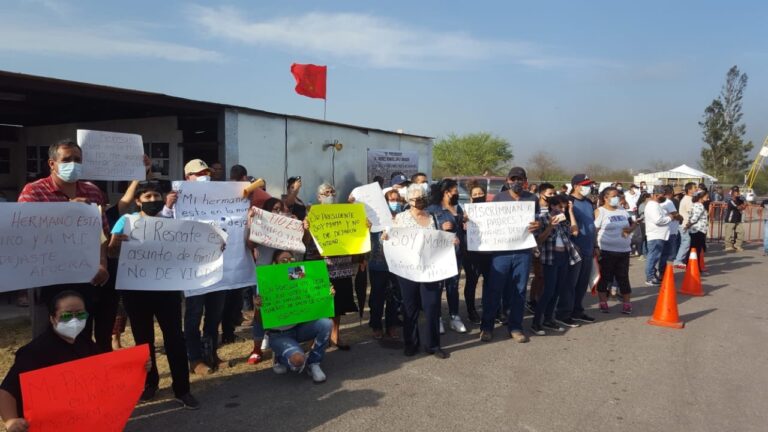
x: 438, y: 190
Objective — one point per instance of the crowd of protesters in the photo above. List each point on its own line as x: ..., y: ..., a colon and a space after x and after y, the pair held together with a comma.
x: 577, y: 228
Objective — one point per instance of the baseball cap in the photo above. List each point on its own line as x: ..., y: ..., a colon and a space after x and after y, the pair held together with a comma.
x: 580, y: 179
x: 398, y: 179
x: 195, y: 166
x: 517, y: 172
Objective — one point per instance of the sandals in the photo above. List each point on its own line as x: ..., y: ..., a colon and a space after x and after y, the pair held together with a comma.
x: 255, y: 358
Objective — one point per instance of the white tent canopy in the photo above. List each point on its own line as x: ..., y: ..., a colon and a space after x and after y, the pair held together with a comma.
x: 676, y: 175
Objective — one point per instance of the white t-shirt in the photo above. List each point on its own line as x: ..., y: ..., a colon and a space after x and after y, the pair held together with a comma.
x: 669, y: 207
x: 656, y: 221
x: 610, y: 226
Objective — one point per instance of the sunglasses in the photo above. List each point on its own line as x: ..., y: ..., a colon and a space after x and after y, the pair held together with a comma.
x: 67, y: 316
x: 287, y: 260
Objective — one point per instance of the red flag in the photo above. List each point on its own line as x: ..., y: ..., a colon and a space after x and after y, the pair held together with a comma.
x: 310, y: 79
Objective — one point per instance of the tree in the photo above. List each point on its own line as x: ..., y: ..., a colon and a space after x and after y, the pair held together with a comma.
x: 726, y: 155
x: 470, y: 154
x: 543, y: 166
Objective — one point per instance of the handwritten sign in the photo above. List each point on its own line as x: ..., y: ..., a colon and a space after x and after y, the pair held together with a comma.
x: 221, y: 204
x: 499, y: 226
x: 277, y: 231
x: 96, y: 393
x: 294, y: 293
x: 421, y: 255
x: 48, y: 244
x: 339, y: 229
x: 385, y: 162
x: 111, y: 155
x: 376, y: 208
x: 170, y: 255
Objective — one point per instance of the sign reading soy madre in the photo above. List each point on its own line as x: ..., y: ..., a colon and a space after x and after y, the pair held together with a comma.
x: 500, y: 226
x: 164, y: 254
x: 385, y: 162
x: 222, y: 204
x: 111, y: 155
x: 48, y: 244
x: 294, y: 293
x: 421, y: 255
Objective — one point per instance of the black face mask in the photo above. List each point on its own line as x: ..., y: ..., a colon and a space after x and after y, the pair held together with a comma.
x: 420, y: 203
x: 480, y: 199
x: 662, y: 199
x: 152, y: 208
x: 454, y: 200
x: 515, y: 186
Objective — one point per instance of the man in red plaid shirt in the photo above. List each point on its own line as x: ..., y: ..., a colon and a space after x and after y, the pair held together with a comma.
x: 64, y: 185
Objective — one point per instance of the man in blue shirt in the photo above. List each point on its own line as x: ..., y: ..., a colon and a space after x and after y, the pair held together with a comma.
x: 569, y: 307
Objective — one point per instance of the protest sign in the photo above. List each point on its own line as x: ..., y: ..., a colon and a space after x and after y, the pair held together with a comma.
x: 376, y: 207
x: 294, y: 293
x: 48, y: 244
x: 169, y: 255
x: 339, y: 229
x: 96, y: 393
x: 111, y: 155
x: 277, y: 231
x: 421, y: 255
x: 222, y: 204
x: 500, y: 226
x: 385, y: 162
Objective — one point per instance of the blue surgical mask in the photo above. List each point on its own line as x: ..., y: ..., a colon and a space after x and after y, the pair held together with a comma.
x: 70, y: 172
x: 394, y: 206
x: 614, y: 201
x: 586, y: 190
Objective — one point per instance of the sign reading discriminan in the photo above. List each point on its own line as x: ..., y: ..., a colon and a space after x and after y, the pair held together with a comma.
x: 111, y: 155
x: 376, y: 207
x: 96, y: 393
x: 499, y: 226
x: 222, y: 204
x: 167, y: 255
x: 48, y: 244
x: 339, y: 229
x: 294, y: 293
x: 386, y: 162
x: 421, y: 255
x: 277, y: 231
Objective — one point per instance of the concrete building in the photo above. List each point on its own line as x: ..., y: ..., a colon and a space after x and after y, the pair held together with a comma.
x: 37, y: 111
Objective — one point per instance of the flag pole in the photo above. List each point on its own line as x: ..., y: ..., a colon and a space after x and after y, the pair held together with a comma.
x: 325, y: 105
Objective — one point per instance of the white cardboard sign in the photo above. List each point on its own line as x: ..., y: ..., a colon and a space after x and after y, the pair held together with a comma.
x: 111, y: 155
x: 500, y: 226
x: 376, y: 207
x: 421, y: 255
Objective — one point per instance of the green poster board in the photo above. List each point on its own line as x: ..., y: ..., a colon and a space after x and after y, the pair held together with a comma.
x: 294, y: 293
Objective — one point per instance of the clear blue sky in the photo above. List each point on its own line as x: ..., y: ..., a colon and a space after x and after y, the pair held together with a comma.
x: 622, y: 82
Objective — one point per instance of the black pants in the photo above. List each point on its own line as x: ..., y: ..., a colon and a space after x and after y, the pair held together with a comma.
x: 382, y: 302
x: 475, y: 264
x: 142, y: 307
x: 428, y: 296
x: 614, y: 265
x: 232, y: 315
x: 104, y: 310
x: 211, y: 305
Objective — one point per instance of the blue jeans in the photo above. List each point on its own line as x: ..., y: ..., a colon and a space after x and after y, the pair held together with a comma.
x: 570, y: 304
x: 765, y: 235
x: 508, y: 279
x: 655, y: 250
x: 555, y: 284
x: 286, y: 343
x: 668, y: 254
x: 685, y: 246
x: 213, y: 306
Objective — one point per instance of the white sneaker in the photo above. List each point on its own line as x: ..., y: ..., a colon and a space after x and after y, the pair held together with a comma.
x: 316, y: 373
x: 457, y: 325
x: 279, y: 368
x: 265, y: 342
x: 442, y: 327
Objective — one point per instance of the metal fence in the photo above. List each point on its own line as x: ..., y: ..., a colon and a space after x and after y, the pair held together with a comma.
x: 752, y: 219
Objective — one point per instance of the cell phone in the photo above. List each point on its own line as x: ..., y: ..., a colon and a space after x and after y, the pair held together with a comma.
x: 560, y: 218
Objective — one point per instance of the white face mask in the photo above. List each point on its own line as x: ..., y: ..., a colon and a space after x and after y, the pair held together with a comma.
x: 330, y: 199
x: 71, y: 328
x: 203, y: 178
x: 586, y: 190
x: 614, y: 201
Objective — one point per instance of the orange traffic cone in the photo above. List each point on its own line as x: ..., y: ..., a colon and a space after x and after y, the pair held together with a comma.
x: 665, y: 314
x: 703, y: 266
x: 692, y: 280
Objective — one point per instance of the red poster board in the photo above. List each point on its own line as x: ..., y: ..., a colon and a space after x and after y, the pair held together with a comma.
x: 96, y: 393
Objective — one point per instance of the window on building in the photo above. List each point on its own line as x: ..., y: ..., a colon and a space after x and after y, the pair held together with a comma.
x: 37, y: 163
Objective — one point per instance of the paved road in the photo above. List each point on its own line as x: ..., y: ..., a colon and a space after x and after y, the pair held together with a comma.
x: 618, y: 374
